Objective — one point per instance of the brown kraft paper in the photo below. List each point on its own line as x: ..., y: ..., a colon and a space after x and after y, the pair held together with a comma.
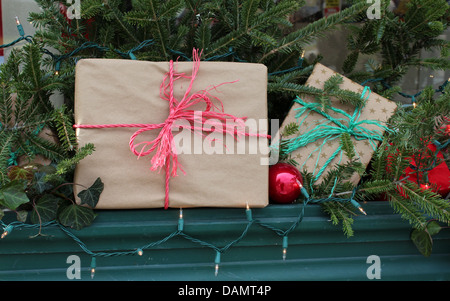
x: 111, y: 91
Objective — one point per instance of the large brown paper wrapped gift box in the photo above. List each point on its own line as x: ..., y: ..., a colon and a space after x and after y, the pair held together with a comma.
x: 127, y: 92
x: 377, y: 108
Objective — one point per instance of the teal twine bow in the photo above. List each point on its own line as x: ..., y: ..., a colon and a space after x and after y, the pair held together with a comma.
x: 331, y: 128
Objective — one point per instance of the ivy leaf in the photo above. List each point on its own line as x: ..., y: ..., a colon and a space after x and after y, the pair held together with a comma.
x: 76, y: 216
x: 41, y: 185
x: 21, y: 216
x: 20, y: 173
x: 433, y: 228
x: 423, y: 241
x: 91, y: 195
x: 45, y: 209
x: 13, y: 195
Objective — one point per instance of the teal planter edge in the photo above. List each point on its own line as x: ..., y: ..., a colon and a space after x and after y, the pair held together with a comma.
x: 317, y: 249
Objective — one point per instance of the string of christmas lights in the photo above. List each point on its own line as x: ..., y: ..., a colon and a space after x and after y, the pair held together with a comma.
x: 405, y: 95
x: 9, y: 228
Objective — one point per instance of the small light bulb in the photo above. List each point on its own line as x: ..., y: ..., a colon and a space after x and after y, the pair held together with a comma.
x: 414, y: 105
x: 285, y: 246
x: 20, y: 27
x: 181, y: 221
x: 303, y: 53
x: 362, y: 210
x: 93, y: 266
x: 425, y: 186
x: 7, y: 231
x: 216, y: 269
x: 216, y: 261
x: 248, y: 213
x: 140, y: 252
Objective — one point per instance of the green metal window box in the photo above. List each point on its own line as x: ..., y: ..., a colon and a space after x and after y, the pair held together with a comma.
x: 317, y: 250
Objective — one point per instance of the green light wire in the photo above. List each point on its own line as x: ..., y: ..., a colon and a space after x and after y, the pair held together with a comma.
x: 8, y: 228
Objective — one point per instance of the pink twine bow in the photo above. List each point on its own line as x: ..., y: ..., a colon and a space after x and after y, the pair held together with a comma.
x: 166, y: 155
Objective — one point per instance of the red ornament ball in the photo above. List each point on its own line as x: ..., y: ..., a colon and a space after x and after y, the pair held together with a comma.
x: 283, y: 185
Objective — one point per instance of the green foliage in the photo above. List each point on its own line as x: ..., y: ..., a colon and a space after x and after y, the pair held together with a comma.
x: 45, y: 209
x: 91, y: 195
x: 63, y: 125
x: 399, y: 39
x: 347, y: 145
x: 25, y: 112
x: 415, y: 129
x: 423, y: 238
x: 13, y: 195
x: 340, y: 213
x: 75, y: 216
x: 257, y: 31
x: 25, y: 108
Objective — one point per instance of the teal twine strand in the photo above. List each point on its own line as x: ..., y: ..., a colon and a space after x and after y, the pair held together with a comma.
x: 330, y: 128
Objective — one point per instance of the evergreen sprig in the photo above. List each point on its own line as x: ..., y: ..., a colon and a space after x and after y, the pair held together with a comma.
x: 417, y: 30
x: 25, y: 112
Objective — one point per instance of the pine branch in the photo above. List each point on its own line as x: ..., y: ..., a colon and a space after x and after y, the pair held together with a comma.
x: 347, y: 145
x: 430, y: 202
x: 406, y: 209
x: 340, y: 212
x: 42, y: 146
x: 68, y: 164
x: 290, y: 129
x: 304, y: 36
x: 6, y: 143
x: 293, y: 89
x: 63, y: 124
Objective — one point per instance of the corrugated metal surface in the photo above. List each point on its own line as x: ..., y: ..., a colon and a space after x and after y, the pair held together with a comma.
x: 317, y: 250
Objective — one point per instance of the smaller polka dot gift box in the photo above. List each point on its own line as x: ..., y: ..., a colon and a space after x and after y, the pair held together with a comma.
x: 316, y: 147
